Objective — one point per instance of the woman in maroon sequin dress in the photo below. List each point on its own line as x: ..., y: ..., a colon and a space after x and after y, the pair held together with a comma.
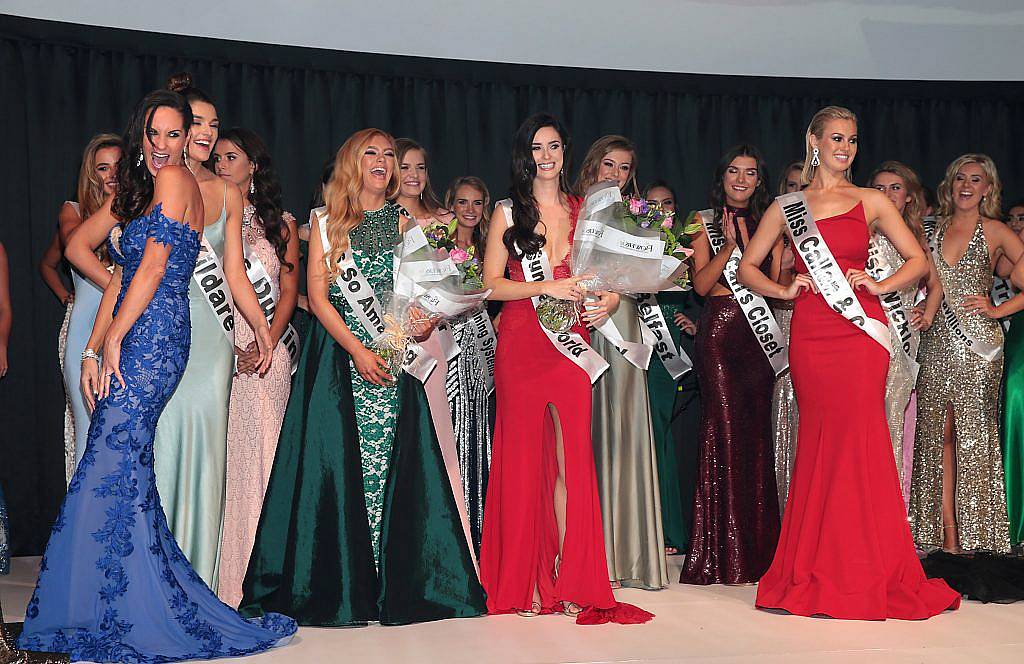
x: 735, y: 506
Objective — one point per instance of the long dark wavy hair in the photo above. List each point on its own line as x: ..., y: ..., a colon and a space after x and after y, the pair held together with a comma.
x: 266, y: 197
x: 525, y: 215
x: 134, y: 181
x: 761, y: 198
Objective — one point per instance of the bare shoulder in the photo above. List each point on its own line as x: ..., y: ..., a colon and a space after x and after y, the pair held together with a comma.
x: 994, y: 228
x: 874, y: 201
x: 69, y: 213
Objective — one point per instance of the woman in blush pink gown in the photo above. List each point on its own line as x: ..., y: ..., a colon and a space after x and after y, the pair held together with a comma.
x: 258, y: 401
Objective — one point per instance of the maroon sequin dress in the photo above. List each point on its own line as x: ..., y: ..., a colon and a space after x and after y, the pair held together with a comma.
x: 736, y: 504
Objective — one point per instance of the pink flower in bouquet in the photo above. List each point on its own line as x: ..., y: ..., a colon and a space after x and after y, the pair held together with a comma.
x: 685, y: 251
x: 459, y: 256
x: 635, y: 206
x: 666, y: 223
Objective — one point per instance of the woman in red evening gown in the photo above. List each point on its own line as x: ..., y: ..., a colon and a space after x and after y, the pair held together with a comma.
x: 845, y: 550
x: 542, y: 548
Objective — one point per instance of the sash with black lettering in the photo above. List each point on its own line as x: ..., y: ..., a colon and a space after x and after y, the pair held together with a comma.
x: 1002, y: 290
x: 209, y: 276
x: 655, y: 332
x: 755, y: 309
x: 979, y: 347
x: 823, y: 268
x: 879, y: 268
x: 477, y: 327
x: 363, y: 302
x: 590, y: 231
x: 268, y: 293
x: 537, y: 268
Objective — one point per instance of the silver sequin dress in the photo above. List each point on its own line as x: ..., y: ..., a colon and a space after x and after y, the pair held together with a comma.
x: 785, y: 417
x: 472, y: 415
x: 953, y: 374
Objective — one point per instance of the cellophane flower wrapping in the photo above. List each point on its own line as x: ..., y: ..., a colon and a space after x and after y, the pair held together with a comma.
x: 429, y: 287
x: 629, y: 246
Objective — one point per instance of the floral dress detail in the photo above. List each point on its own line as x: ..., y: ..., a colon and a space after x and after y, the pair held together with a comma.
x: 373, y: 243
x: 114, y: 586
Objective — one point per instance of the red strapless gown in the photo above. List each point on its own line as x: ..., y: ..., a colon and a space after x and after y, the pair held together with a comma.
x: 845, y: 550
x: 520, y: 534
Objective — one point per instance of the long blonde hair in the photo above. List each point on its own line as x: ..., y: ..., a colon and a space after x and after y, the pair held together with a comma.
x: 90, y: 194
x: 914, y: 208
x: 816, y: 128
x: 341, y: 193
x: 592, y: 164
x: 480, y: 230
x: 790, y: 167
x: 991, y: 205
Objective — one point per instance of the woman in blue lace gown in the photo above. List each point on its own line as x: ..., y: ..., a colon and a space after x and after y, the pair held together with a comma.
x: 113, y: 585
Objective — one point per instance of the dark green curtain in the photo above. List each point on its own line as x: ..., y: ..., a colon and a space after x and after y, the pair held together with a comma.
x: 62, y: 83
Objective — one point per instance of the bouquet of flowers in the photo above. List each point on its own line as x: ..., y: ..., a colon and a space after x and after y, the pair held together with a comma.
x: 429, y: 286
x: 442, y: 237
x: 626, y: 246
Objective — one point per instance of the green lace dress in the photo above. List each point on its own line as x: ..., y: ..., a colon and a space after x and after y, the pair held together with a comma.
x: 359, y: 523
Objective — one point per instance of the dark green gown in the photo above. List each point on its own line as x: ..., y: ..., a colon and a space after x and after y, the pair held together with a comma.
x: 1013, y: 426
x: 671, y: 400
x: 315, y: 549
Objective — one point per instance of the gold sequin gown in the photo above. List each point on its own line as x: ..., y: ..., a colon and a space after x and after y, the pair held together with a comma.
x: 953, y: 374
x: 899, y: 384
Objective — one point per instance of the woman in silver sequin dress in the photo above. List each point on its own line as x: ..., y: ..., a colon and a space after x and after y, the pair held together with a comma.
x: 902, y: 186
x: 622, y: 428
x: 785, y: 414
x: 957, y: 496
x: 470, y: 375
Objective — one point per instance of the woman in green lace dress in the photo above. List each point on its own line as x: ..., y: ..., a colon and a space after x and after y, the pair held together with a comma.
x: 359, y: 523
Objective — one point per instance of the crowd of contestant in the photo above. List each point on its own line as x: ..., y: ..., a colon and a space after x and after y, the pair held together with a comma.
x: 240, y: 460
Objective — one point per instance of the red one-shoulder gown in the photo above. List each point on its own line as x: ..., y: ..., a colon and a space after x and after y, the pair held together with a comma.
x: 520, y: 534
x: 845, y: 550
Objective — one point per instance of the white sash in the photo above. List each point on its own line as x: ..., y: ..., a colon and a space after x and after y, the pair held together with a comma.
x: 755, y: 309
x: 209, y: 276
x: 655, y: 332
x: 537, y: 268
x: 363, y: 302
x: 1002, y: 290
x: 478, y: 326
x: 268, y: 293
x: 823, y: 268
x: 979, y: 347
x: 899, y: 321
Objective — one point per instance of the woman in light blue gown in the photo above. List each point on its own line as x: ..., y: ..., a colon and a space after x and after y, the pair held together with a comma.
x: 97, y: 180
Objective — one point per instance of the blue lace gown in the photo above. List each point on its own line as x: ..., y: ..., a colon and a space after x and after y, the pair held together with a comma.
x: 114, y: 586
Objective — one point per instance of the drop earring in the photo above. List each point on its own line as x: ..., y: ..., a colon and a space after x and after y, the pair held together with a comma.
x: 138, y: 162
x: 814, y: 158
x: 252, y: 186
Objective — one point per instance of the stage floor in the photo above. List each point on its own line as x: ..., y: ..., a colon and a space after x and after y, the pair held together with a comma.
x: 693, y: 624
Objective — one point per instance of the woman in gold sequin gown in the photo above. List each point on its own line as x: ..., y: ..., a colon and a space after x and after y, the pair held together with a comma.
x: 957, y: 498
x: 902, y: 186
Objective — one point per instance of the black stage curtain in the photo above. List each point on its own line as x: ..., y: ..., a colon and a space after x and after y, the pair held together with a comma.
x: 62, y: 83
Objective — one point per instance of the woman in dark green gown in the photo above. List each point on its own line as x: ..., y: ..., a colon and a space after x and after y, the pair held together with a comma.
x: 359, y: 523
x: 671, y: 400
